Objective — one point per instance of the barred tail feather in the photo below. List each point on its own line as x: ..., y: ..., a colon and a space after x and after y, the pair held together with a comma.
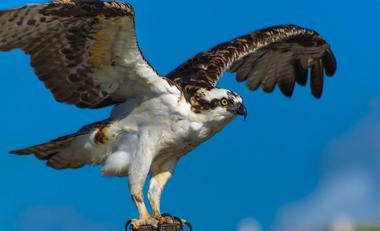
x: 68, y: 151
x: 47, y: 150
x: 55, y: 152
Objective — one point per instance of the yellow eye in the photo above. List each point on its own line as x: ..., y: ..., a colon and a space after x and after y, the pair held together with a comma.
x: 224, y: 102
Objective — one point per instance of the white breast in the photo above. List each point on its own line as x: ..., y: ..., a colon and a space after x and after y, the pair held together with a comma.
x: 167, y: 122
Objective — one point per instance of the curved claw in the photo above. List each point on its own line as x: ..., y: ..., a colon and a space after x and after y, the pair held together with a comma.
x: 128, y: 226
x: 167, y: 215
x: 189, y: 225
x: 181, y: 221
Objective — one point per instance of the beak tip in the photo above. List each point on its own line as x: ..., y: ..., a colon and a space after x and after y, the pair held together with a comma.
x: 243, y: 111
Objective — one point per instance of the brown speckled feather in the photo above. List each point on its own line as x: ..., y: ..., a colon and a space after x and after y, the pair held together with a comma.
x: 49, y: 150
x: 79, y: 49
x: 280, y: 55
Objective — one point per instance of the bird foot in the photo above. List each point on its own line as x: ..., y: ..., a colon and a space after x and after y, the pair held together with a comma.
x: 144, y: 224
x: 164, y: 222
x: 169, y: 219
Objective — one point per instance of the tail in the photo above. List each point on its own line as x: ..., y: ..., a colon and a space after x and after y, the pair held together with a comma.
x: 53, y: 152
x: 65, y: 152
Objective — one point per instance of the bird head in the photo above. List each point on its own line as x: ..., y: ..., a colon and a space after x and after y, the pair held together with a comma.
x: 220, y: 104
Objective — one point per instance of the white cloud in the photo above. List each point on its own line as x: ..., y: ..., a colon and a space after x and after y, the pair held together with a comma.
x: 249, y: 225
x: 348, y: 194
x: 350, y: 186
x: 47, y: 218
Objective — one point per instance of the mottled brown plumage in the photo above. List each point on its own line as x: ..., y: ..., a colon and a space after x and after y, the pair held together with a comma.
x: 48, y: 150
x: 73, y: 46
x: 273, y: 56
x: 87, y: 8
x: 81, y: 50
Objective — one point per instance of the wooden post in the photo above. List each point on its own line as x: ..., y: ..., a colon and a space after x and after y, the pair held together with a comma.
x: 176, y: 226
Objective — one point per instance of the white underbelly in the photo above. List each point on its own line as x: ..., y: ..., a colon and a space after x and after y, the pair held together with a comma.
x: 161, y: 130
x: 183, y: 137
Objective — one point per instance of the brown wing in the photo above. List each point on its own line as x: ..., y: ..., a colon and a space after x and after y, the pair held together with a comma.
x: 280, y: 55
x: 85, y: 52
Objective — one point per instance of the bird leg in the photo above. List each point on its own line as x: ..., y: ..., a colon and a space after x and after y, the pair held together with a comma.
x: 138, y: 199
x: 144, y: 216
x: 160, y: 177
x: 157, y: 184
x: 138, y: 172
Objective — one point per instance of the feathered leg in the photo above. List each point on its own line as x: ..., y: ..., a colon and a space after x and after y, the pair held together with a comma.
x: 138, y: 171
x: 161, y: 173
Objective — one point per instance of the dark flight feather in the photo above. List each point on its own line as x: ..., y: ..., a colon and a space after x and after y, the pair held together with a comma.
x: 280, y: 55
x: 72, y: 47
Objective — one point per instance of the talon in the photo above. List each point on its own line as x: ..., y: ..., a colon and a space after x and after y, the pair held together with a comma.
x: 189, y: 225
x: 145, y: 224
x: 167, y: 218
x: 182, y: 221
x: 167, y: 215
x: 128, y: 225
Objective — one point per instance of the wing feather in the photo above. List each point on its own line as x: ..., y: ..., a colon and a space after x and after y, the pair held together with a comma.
x: 301, y: 74
x: 280, y: 55
x: 317, y: 78
x: 85, y: 51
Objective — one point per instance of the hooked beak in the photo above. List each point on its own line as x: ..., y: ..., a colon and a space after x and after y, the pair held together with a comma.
x: 240, y: 110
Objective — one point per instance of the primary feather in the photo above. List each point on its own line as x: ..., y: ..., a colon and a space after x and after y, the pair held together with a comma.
x: 279, y: 55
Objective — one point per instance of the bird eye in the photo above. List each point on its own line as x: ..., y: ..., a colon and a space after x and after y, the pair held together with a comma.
x: 224, y: 102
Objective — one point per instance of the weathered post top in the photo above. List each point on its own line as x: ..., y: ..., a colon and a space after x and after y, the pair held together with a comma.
x: 175, y: 226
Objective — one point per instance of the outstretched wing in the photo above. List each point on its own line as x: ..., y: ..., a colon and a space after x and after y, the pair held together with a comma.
x: 85, y: 51
x: 280, y: 55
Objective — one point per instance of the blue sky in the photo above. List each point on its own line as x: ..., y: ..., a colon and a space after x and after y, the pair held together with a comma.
x: 277, y: 167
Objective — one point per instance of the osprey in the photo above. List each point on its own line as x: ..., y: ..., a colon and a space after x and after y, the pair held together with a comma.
x: 87, y: 54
